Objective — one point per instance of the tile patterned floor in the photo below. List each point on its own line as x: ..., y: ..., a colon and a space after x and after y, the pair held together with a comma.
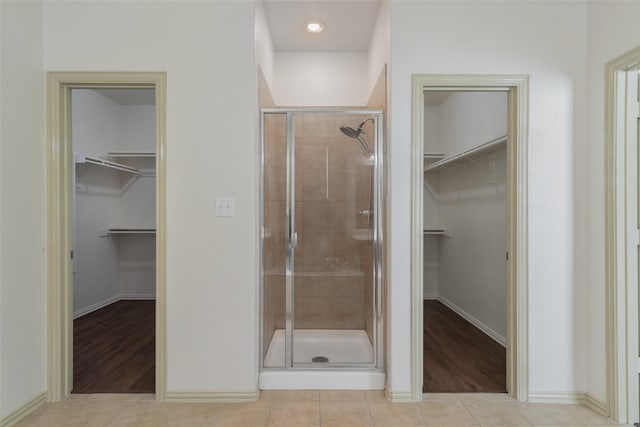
x: 311, y: 408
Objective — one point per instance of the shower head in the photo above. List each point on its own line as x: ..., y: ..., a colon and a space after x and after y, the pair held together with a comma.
x: 350, y: 132
x: 355, y: 133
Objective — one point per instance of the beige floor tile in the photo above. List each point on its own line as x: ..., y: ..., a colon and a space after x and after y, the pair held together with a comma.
x: 344, y: 413
x: 143, y: 414
x: 484, y: 397
x: 395, y: 414
x: 374, y: 395
x: 89, y: 413
x: 293, y: 395
x: 428, y: 397
x: 588, y: 417
x: 545, y: 414
x: 243, y: 414
x: 496, y: 413
x: 342, y: 395
x: 189, y: 414
x: 303, y: 408
x: 40, y: 418
x: 445, y: 413
x: 298, y: 413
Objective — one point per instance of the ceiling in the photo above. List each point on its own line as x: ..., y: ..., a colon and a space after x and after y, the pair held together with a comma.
x: 435, y: 98
x: 130, y: 96
x: 349, y: 24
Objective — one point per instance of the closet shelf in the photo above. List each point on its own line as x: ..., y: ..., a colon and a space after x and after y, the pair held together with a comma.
x: 445, y: 232
x: 130, y: 154
x: 128, y: 230
x: 81, y: 159
x: 143, y: 161
x: 487, y: 147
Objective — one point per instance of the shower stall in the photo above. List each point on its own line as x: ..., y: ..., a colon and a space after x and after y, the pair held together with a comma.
x: 321, y: 286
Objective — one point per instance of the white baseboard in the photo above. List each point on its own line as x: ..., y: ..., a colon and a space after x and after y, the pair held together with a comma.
x: 24, y: 411
x: 569, y: 397
x: 137, y: 296
x: 596, y: 405
x: 475, y: 322
x: 399, y: 397
x: 111, y: 300
x: 96, y: 306
x: 430, y: 296
x: 211, y: 396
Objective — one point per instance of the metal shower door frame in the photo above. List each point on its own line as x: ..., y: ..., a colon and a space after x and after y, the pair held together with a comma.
x: 291, y: 237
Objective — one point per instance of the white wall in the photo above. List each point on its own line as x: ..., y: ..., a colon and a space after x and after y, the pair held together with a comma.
x: 137, y: 207
x: 470, y: 119
x: 94, y: 129
x: 207, y: 50
x: 22, y: 223
x: 264, y: 44
x: 613, y: 31
x: 328, y: 79
x: 471, y: 264
x: 547, y: 41
x: 431, y: 216
x: 379, y: 52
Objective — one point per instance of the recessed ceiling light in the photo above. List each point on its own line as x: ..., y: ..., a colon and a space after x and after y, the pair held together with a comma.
x: 315, y: 27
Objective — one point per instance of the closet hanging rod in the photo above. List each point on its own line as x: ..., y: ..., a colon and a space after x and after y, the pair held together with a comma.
x: 81, y: 158
x: 475, y: 150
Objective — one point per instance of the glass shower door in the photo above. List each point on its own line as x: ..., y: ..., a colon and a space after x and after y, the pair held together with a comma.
x: 273, y: 203
x: 321, y: 287
x: 333, y: 291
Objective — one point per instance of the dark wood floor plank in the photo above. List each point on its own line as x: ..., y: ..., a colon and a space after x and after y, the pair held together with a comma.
x: 458, y: 357
x: 114, y: 349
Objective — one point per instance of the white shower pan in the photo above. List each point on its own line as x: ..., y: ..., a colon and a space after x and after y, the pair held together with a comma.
x: 344, y: 347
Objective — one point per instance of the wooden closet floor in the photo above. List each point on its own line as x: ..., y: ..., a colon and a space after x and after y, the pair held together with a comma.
x: 114, y: 349
x: 458, y: 357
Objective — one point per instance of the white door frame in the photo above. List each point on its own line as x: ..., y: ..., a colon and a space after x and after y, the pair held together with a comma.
x: 60, y: 226
x: 621, y: 287
x: 517, y: 88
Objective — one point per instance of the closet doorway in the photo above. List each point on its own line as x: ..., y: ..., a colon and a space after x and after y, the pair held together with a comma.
x: 432, y: 230
x: 114, y: 215
x: 106, y: 243
x: 465, y: 241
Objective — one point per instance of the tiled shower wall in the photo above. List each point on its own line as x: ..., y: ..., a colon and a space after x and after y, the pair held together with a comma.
x: 333, y: 264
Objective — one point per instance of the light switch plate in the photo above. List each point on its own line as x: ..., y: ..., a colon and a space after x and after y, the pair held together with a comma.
x: 225, y: 206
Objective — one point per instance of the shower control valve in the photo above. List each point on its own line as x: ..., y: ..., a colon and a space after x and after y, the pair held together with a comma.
x: 365, y: 212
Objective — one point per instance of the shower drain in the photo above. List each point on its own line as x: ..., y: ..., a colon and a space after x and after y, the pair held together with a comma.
x: 319, y: 359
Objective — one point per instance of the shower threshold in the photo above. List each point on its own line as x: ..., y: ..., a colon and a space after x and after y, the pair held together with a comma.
x: 338, y: 346
x: 346, y: 348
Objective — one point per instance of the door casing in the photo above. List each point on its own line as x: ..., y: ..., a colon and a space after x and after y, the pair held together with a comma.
x: 621, y: 290
x: 517, y: 89
x: 60, y: 219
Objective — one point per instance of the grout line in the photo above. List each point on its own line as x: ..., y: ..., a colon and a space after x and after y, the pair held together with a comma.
x: 464, y: 405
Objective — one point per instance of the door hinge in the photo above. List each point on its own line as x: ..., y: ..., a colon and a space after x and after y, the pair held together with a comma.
x: 507, y: 255
x: 71, y: 254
